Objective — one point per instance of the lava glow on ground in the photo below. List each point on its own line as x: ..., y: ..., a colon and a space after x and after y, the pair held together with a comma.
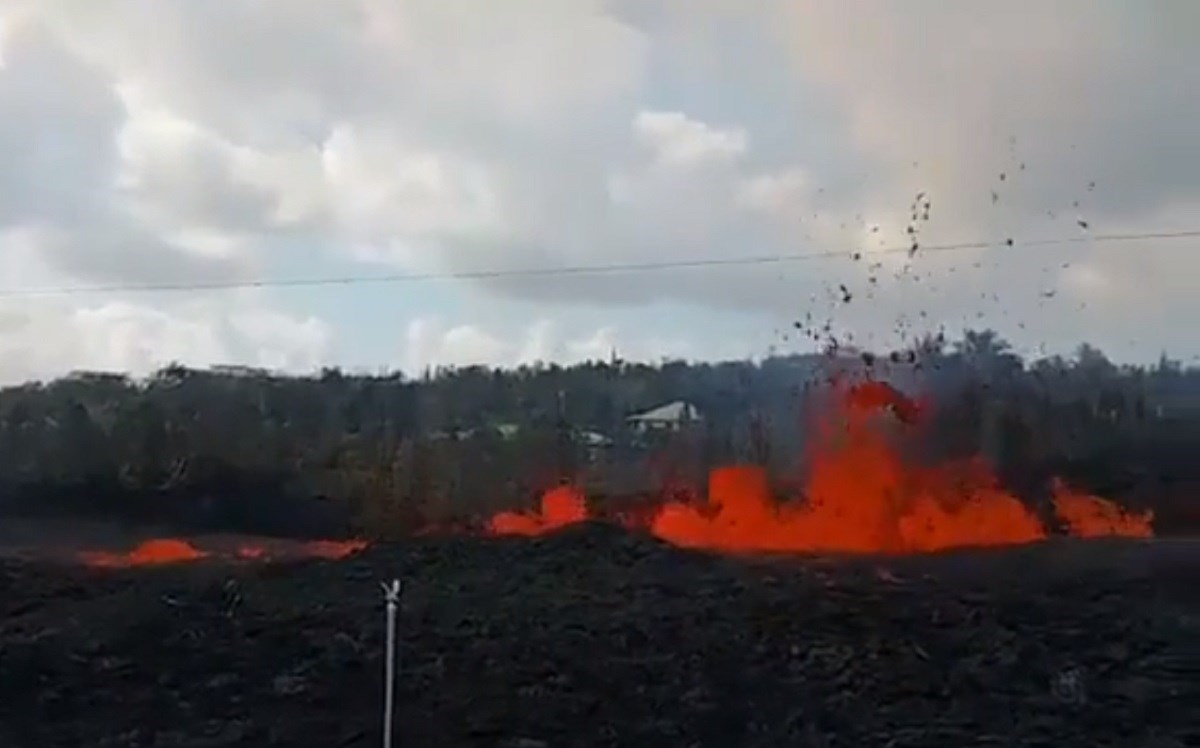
x: 161, y: 551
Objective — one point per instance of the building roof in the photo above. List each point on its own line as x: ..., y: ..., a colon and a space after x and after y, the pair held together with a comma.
x: 673, y: 412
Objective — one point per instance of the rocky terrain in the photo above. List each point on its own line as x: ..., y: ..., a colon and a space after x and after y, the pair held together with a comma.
x: 595, y: 637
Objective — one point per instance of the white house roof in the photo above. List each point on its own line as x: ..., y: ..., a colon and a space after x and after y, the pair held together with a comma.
x: 674, y: 412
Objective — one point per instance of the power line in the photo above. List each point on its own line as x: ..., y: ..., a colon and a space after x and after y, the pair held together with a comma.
x: 577, y: 270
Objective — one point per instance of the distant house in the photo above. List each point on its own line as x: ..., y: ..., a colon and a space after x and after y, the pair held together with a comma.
x: 670, y: 417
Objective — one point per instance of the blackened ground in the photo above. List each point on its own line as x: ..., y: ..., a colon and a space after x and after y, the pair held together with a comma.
x: 593, y: 638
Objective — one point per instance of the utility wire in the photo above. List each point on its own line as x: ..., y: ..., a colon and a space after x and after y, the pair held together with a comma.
x: 578, y: 270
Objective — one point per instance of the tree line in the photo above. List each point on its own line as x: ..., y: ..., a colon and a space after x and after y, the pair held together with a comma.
x: 336, y: 453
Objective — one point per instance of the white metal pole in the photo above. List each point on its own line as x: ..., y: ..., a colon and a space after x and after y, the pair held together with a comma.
x: 391, y: 596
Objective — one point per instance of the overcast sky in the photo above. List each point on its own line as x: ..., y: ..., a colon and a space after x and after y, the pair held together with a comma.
x: 200, y: 142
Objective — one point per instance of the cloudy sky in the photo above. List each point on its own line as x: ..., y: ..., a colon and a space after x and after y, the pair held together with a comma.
x: 193, y: 143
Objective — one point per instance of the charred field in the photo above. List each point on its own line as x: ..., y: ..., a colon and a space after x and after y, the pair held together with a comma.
x: 596, y: 636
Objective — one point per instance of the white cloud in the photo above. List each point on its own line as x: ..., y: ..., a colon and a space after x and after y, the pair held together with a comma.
x: 774, y: 194
x: 45, y: 338
x: 677, y: 140
x: 380, y: 189
x: 192, y: 141
x: 181, y: 181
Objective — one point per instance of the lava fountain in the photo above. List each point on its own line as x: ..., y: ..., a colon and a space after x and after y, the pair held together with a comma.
x: 862, y: 495
x: 560, y: 506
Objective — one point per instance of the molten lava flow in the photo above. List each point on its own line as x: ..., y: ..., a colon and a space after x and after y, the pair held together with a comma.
x: 862, y: 495
x: 172, y: 550
x: 872, y: 396
x: 1091, y: 517
x: 560, y: 506
x: 149, y: 553
x: 881, y: 515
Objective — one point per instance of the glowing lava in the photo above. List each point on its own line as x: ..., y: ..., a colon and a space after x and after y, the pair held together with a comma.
x: 160, y: 551
x: 560, y: 506
x: 862, y: 496
x: 1091, y: 517
x: 886, y: 513
x: 150, y: 553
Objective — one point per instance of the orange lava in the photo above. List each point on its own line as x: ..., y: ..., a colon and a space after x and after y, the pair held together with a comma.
x: 1092, y: 517
x: 873, y: 396
x: 150, y: 553
x: 172, y: 550
x: 561, y: 506
x: 884, y: 513
x: 862, y: 496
